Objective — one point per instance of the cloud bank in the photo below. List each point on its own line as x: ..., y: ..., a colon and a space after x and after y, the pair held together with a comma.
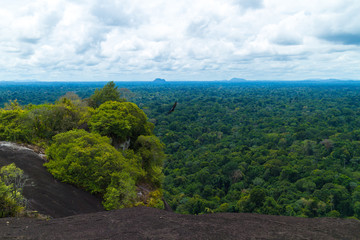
x: 88, y: 40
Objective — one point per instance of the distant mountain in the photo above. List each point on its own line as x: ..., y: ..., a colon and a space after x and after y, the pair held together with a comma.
x: 159, y: 80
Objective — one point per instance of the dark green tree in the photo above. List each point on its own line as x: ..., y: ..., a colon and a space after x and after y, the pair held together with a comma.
x: 151, y: 151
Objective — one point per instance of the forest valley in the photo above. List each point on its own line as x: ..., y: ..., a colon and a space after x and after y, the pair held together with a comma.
x: 280, y: 148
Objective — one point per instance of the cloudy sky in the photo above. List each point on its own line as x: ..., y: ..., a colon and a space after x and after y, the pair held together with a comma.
x: 95, y: 40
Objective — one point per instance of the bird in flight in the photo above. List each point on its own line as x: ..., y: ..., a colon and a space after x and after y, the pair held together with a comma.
x: 173, y: 108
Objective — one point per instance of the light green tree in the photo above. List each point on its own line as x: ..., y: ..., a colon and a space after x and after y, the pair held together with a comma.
x: 89, y: 161
x: 12, y: 127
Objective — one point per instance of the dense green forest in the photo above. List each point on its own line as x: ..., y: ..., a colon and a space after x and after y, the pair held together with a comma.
x: 286, y: 148
x: 290, y: 150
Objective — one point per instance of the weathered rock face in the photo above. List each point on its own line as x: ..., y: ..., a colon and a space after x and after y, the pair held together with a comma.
x: 150, y: 223
x: 45, y: 194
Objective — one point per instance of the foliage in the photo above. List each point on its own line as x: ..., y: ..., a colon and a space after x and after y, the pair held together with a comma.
x: 120, y: 121
x: 121, y: 192
x: 155, y: 199
x: 297, y: 143
x: 151, y: 151
x: 90, y: 162
x: 108, y: 93
x: 11, y: 127
x: 48, y: 120
x: 12, y: 180
x: 273, y: 148
x: 13, y: 176
x: 87, y: 159
x: 34, y: 123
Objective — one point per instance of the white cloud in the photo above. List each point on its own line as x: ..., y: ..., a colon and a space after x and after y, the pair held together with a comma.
x: 189, y: 39
x: 250, y: 3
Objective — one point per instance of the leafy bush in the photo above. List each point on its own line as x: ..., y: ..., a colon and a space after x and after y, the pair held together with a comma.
x: 121, y: 191
x: 12, y: 180
x: 11, y: 127
x: 47, y: 120
x: 90, y: 162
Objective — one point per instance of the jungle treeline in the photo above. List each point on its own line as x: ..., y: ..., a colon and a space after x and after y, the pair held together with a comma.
x: 289, y: 148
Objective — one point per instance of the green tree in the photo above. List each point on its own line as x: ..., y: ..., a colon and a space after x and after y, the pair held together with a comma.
x: 109, y: 92
x: 257, y: 196
x: 13, y: 176
x: 89, y: 161
x: 12, y: 105
x: 121, y: 121
x: 45, y: 121
x: 12, y: 127
x: 151, y: 151
x: 12, y: 181
x: 121, y: 191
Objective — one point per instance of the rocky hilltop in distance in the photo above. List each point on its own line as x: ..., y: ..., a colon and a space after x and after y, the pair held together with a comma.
x: 159, y: 80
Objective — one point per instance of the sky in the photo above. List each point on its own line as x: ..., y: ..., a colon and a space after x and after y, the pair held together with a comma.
x: 140, y: 40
